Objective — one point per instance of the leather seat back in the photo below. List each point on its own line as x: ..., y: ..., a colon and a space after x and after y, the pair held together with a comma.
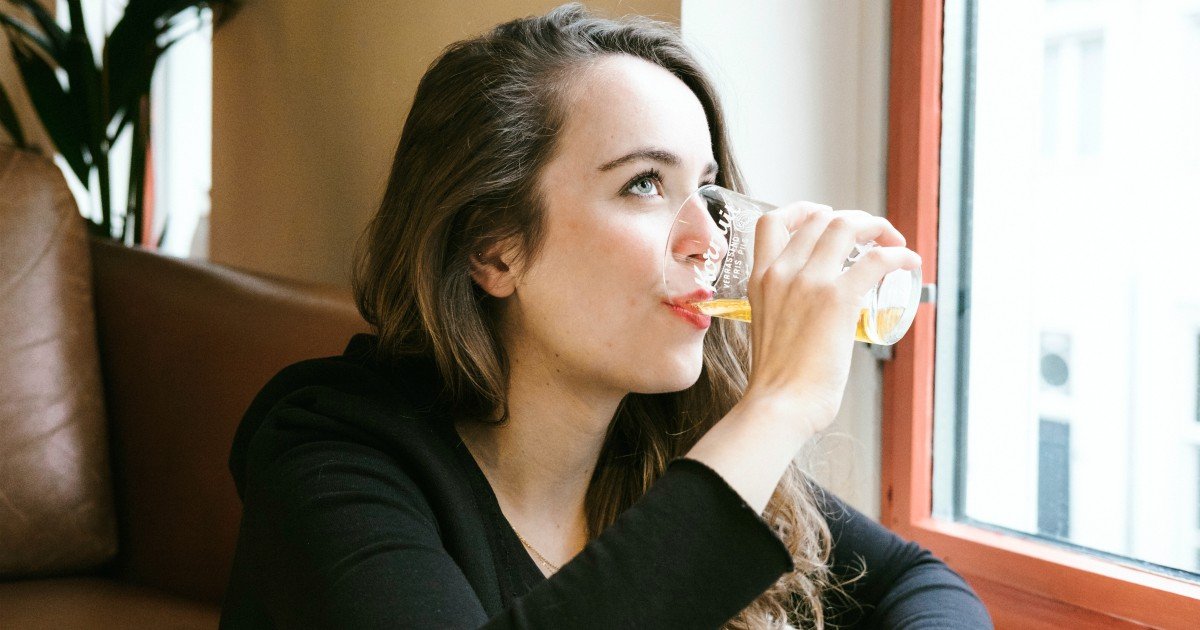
x: 56, y: 505
x: 185, y: 345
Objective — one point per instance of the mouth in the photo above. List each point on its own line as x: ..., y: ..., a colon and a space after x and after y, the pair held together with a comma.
x: 683, y: 306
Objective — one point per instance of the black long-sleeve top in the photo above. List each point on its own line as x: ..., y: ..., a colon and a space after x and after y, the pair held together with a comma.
x: 363, y: 509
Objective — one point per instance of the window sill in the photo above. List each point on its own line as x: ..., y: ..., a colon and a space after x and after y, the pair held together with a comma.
x: 1027, y: 584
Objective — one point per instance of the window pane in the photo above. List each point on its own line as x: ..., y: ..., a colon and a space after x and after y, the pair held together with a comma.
x: 1068, y: 359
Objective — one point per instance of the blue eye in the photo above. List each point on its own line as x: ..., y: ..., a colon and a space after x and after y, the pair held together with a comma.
x: 643, y: 187
x: 644, y: 184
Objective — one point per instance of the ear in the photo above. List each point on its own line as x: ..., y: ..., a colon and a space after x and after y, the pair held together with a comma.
x: 493, y: 270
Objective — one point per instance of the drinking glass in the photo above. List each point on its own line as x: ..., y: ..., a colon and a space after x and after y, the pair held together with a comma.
x: 717, y: 283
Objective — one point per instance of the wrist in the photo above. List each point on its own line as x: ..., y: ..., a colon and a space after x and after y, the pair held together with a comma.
x: 786, y: 414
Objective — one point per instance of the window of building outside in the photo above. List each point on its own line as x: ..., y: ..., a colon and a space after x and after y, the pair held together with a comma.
x: 181, y: 130
x: 1067, y: 361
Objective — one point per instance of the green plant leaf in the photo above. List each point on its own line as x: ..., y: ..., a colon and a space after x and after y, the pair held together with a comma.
x: 130, y: 54
x: 97, y: 230
x: 137, y: 168
x: 54, y: 108
x: 8, y: 117
x: 54, y: 34
x: 162, y: 236
x: 16, y: 27
x: 83, y: 79
x: 126, y: 84
x: 132, y: 51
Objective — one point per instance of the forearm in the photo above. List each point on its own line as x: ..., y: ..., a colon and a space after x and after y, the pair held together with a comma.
x: 690, y: 553
x: 903, y: 586
x: 752, y: 446
x: 927, y: 595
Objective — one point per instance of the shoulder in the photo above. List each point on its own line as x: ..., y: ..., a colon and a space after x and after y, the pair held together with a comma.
x: 332, y: 402
x: 356, y: 374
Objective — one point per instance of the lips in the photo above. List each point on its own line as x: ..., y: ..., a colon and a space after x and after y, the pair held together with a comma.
x: 699, y: 295
x: 682, y: 306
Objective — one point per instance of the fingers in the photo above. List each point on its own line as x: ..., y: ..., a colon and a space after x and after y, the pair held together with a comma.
x: 775, y: 230
x: 877, y: 263
x: 813, y: 237
x: 845, y: 229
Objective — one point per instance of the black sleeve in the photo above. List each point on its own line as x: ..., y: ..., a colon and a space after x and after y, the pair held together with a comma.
x: 336, y: 534
x: 904, y: 585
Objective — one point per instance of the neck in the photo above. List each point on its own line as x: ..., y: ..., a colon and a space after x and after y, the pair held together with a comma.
x: 540, y: 462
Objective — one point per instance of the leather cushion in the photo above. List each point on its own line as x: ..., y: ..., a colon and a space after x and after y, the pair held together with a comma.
x: 56, y: 505
x: 184, y: 347
x: 97, y: 604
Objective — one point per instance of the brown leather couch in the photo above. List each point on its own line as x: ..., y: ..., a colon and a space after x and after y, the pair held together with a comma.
x: 123, y: 374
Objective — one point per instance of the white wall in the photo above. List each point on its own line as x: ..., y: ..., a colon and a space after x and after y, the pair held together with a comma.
x: 807, y: 102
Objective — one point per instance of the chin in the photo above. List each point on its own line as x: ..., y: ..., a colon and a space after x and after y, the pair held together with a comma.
x: 672, y: 373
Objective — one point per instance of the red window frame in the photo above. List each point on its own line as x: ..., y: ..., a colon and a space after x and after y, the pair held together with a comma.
x: 1024, y: 583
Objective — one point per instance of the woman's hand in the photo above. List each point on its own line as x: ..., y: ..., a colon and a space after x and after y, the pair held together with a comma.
x: 804, y: 314
x: 805, y: 309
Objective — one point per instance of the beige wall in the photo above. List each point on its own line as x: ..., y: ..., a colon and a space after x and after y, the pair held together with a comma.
x: 308, y: 101
x: 10, y: 78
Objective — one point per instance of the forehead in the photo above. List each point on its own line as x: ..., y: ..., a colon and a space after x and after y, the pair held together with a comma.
x: 622, y: 102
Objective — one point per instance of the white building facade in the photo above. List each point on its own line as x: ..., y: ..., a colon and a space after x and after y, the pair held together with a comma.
x: 1083, y: 171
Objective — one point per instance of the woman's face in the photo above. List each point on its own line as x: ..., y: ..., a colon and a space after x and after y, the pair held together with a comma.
x: 592, y: 305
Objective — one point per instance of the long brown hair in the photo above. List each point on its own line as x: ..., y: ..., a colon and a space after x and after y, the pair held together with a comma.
x: 482, y: 126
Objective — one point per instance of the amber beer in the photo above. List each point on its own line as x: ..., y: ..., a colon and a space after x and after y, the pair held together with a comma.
x: 885, y: 320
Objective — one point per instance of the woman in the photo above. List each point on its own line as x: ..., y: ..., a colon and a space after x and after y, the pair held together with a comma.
x: 535, y: 435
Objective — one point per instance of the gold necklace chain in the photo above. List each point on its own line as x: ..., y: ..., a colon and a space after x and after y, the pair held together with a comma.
x: 552, y: 566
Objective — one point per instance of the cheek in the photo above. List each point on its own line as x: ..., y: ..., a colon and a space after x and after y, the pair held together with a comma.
x: 647, y: 242
x: 635, y: 261
x: 606, y: 272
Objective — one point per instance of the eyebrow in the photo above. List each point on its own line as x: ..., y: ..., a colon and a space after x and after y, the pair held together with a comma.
x: 653, y: 154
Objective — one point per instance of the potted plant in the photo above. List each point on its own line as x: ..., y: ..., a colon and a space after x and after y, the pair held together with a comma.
x: 84, y: 105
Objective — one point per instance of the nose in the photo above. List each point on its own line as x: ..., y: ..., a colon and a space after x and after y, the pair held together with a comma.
x: 700, y: 232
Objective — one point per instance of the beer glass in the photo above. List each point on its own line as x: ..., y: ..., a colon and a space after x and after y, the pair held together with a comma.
x: 717, y: 283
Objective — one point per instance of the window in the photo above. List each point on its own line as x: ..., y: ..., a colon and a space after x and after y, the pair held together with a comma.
x: 1038, y: 434
x: 179, y: 164
x: 181, y: 102
x: 1072, y: 95
x: 1196, y: 494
